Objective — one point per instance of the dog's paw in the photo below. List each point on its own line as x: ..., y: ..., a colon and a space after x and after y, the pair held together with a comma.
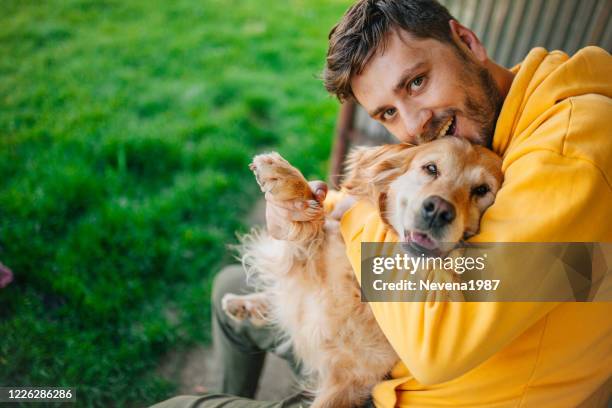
x: 279, y: 179
x: 247, y: 307
x: 234, y: 307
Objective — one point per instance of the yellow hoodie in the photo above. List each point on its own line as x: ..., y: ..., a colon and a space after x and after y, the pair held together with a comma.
x: 555, y: 138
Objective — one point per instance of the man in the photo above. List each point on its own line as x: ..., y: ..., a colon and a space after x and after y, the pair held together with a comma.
x: 421, y: 73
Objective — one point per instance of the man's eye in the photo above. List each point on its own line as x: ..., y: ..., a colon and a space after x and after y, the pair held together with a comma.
x: 431, y: 169
x: 417, y: 83
x: 388, y: 114
x: 480, y: 190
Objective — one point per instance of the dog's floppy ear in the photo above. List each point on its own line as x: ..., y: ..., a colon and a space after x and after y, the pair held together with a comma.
x: 370, y: 170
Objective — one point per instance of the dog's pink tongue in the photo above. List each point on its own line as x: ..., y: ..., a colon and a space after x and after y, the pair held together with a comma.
x: 422, y: 240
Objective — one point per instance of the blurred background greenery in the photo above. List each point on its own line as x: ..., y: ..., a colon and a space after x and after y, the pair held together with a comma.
x: 126, y: 128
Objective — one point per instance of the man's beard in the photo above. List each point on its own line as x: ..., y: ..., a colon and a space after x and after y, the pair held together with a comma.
x: 482, y: 105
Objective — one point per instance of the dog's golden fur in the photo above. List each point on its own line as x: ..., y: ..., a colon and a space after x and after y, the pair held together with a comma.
x: 306, y: 284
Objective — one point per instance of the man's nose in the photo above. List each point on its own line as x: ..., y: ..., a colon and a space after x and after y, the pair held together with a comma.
x: 415, y: 123
x: 437, y: 212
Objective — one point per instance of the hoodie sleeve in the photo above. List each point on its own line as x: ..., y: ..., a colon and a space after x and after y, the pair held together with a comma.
x: 437, y: 341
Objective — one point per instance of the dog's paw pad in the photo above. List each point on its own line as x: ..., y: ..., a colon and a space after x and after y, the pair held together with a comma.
x: 280, y: 179
x: 241, y: 308
x: 235, y: 307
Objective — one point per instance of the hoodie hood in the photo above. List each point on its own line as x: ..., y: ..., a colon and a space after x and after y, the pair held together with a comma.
x: 544, y: 79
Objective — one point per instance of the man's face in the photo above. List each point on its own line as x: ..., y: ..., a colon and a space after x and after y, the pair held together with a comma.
x: 421, y: 89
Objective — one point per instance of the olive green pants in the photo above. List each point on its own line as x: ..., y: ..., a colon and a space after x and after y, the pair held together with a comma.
x: 228, y: 401
x: 242, y: 349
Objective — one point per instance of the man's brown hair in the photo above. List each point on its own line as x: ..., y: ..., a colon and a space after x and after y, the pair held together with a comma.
x: 363, y: 30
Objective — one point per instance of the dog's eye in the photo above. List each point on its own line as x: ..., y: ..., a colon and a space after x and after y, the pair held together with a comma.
x: 431, y: 169
x: 481, y: 190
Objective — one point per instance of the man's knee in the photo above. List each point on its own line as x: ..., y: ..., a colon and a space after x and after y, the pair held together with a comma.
x: 230, y: 279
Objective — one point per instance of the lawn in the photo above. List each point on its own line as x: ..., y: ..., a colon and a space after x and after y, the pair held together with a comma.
x: 126, y: 128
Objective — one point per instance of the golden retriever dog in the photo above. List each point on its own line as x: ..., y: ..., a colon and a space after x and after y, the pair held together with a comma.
x: 430, y: 195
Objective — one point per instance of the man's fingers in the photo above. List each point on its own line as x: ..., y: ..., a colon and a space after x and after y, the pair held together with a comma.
x: 319, y: 189
x: 289, y: 205
x: 280, y: 214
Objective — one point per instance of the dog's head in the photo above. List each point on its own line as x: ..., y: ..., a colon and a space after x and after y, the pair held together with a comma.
x: 432, y: 195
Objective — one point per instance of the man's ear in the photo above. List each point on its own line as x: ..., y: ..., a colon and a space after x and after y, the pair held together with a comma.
x: 468, y: 41
x: 370, y: 170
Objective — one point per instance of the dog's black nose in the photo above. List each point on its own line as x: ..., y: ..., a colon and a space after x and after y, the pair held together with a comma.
x: 437, y: 212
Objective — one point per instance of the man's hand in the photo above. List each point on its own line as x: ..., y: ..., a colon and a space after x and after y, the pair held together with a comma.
x: 342, y: 206
x: 279, y: 212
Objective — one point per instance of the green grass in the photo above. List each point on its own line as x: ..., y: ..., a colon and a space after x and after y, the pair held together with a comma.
x: 125, y: 133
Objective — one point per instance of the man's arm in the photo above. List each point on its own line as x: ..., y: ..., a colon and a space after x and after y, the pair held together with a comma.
x: 546, y: 197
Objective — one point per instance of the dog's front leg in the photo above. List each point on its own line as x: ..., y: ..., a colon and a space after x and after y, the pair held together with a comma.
x: 285, y: 187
